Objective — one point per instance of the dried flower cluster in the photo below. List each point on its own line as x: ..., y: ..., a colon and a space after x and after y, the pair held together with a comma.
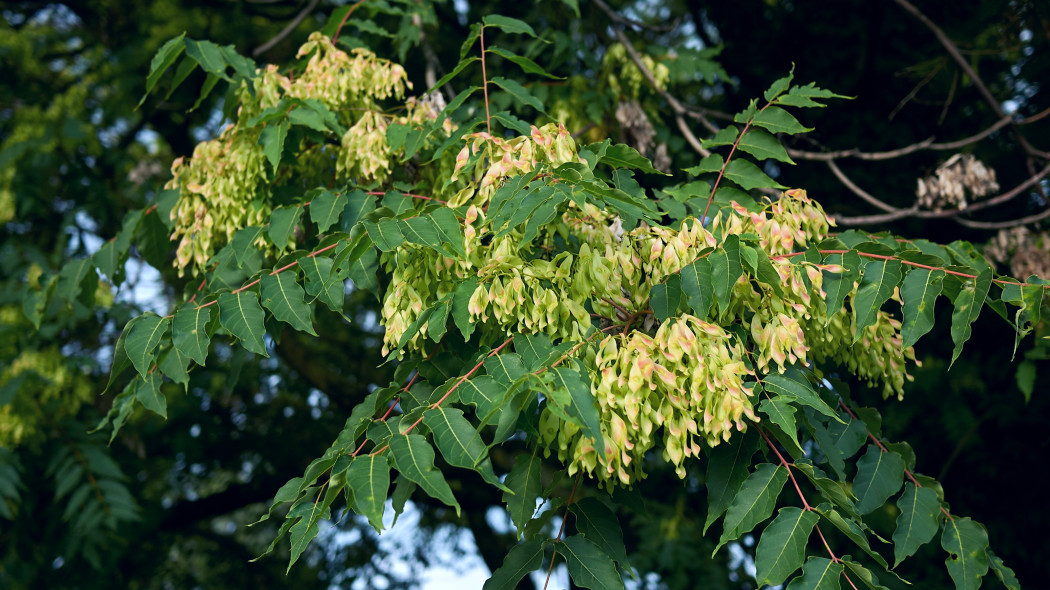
x: 962, y: 176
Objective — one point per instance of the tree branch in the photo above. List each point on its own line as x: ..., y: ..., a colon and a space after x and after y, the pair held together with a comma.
x: 857, y: 190
x: 916, y: 213
x: 679, y: 109
x: 286, y: 30
x: 926, y: 144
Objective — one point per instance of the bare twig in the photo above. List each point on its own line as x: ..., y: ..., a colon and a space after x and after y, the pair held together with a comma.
x: 857, y: 190
x: 1005, y: 224
x: 286, y: 30
x: 926, y: 144
x: 916, y: 213
x: 679, y: 109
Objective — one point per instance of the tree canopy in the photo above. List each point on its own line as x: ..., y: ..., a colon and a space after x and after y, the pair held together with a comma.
x: 657, y: 294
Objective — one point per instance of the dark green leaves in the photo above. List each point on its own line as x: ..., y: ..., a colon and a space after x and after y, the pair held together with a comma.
x: 283, y: 296
x: 697, y: 287
x: 968, y: 304
x: 189, y: 332
x: 571, y: 398
x: 881, y: 277
x: 143, y: 339
x: 782, y: 548
x: 523, y: 489
x: 588, y: 566
x: 413, y: 456
x: 459, y: 443
x: 967, y: 544
x: 326, y: 208
x: 819, y: 573
x: 596, y: 522
x: 879, y: 476
x: 754, y: 503
x: 919, y: 294
x: 725, y: 271
x: 242, y: 316
x: 369, y: 477
x: 917, y: 521
x: 520, y: 561
x: 726, y: 471
x: 282, y: 222
x: 508, y: 24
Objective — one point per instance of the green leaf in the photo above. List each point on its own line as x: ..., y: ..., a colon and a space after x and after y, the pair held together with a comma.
x: 839, y: 284
x: 189, y: 332
x: 782, y: 414
x: 148, y: 393
x: 165, y: 57
x: 588, y: 566
x: 1005, y: 574
x: 595, y: 521
x: 697, y: 286
x: 358, y: 205
x: 322, y: 283
x: 460, y: 301
x: 779, y: 86
x: 968, y: 304
x: 272, y: 141
x: 726, y: 136
x: 282, y: 223
x: 777, y: 120
x: 413, y: 456
x: 798, y: 391
x: 712, y: 163
x: 523, y: 489
x: 241, y: 315
x: 459, y: 443
x: 243, y: 243
x: 534, y: 349
x: 326, y: 207
x: 919, y: 294
x: 763, y: 146
x: 864, y: 575
x: 725, y: 271
x: 521, y: 560
x: 508, y: 24
x: 483, y: 392
x: 619, y: 155
x: 966, y: 542
x: 879, y: 476
x: 819, y: 573
x: 174, y: 365
x: 801, y: 96
x: 462, y: 65
x: 726, y: 470
x: 518, y: 92
x: 753, y: 503
x: 837, y: 492
x: 369, y: 477
x: 285, y: 299
x: 527, y: 65
x: 917, y: 522
x: 665, y: 298
x: 143, y: 339
x: 840, y: 440
x: 386, y: 234
x: 881, y: 277
x: 505, y: 368
x: 572, y: 396
x: 853, y: 531
x: 782, y: 547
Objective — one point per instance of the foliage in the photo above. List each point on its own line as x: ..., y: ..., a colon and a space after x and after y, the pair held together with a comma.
x: 570, y: 303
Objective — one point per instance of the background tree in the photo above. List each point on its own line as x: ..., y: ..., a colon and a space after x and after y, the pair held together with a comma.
x: 76, y: 156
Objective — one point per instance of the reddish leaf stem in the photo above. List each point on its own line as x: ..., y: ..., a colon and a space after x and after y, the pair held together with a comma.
x: 883, y: 448
x: 461, y: 380
x: 346, y: 17
x: 414, y: 196
x: 725, y: 164
x: 485, y: 80
x: 909, y: 263
x: 783, y: 461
